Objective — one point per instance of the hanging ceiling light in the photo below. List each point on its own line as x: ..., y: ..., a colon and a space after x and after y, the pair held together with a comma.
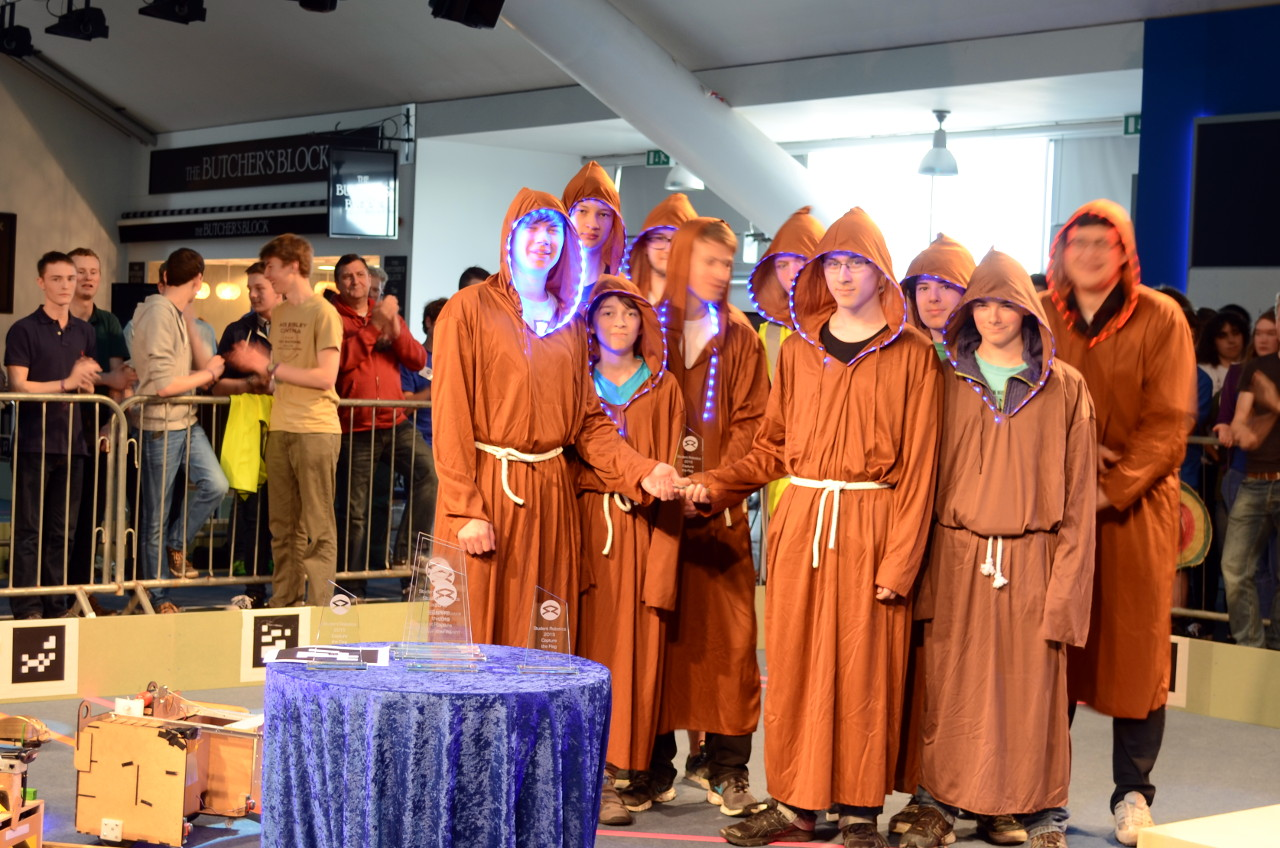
x: 227, y: 291
x: 177, y: 11
x: 680, y: 178
x: 14, y: 40
x: 85, y: 23
x: 939, y: 162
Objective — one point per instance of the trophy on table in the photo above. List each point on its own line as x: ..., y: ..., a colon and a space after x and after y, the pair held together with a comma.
x: 437, y: 631
x: 548, y: 631
x: 340, y: 620
x: 689, y: 458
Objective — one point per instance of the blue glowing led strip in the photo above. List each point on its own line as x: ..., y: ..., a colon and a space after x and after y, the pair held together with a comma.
x: 708, y: 407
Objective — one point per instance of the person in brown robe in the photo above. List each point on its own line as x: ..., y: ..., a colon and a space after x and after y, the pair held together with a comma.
x: 1134, y: 349
x: 712, y: 680
x: 935, y: 281
x: 647, y: 259
x: 595, y: 211
x: 511, y: 391
x: 1010, y: 571
x: 629, y: 556
x: 770, y: 287
x: 853, y: 419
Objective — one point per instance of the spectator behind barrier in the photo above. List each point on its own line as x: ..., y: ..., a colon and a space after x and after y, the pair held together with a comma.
x: 417, y: 384
x: 471, y: 276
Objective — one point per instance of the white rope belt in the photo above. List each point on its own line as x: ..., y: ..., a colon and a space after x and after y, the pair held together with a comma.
x: 995, y: 570
x: 623, y: 503
x: 508, y: 454
x: 832, y: 488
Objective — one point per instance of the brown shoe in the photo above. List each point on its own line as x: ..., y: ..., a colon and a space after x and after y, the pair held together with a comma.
x: 98, y: 608
x: 168, y: 608
x: 612, y: 811
x: 930, y: 830
x: 642, y: 793
x: 862, y: 835
x: 1002, y: 830
x: 902, y: 820
x: 180, y: 566
x: 1049, y: 839
x: 732, y: 794
x: 768, y: 825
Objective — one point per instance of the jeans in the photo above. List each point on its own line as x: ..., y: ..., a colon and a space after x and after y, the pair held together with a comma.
x: 410, y: 457
x: 1255, y: 516
x: 163, y: 453
x: 44, y: 484
x: 1041, y: 821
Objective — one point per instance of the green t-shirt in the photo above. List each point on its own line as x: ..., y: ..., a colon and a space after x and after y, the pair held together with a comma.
x: 997, y: 377
x: 941, y: 349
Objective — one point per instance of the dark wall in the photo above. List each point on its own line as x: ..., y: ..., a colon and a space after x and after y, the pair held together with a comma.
x: 1194, y: 66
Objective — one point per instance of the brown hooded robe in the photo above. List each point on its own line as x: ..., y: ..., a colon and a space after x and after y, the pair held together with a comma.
x: 944, y: 257
x: 592, y: 183
x: 833, y: 715
x: 712, y: 679
x: 621, y: 625
x: 498, y: 382
x: 673, y: 211
x: 1138, y: 371
x: 995, y: 733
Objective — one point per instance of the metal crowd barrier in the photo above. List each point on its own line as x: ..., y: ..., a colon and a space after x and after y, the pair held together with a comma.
x: 112, y: 480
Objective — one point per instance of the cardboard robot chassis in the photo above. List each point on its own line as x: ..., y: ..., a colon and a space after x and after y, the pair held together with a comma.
x: 21, y: 818
x: 155, y: 762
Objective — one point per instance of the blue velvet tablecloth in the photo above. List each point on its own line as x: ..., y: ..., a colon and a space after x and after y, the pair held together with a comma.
x: 393, y: 758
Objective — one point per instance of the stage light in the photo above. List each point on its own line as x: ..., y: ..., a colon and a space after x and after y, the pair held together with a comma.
x: 480, y: 14
x: 177, y: 11
x: 227, y: 291
x: 939, y: 162
x: 14, y: 40
x: 86, y: 23
x: 318, y: 5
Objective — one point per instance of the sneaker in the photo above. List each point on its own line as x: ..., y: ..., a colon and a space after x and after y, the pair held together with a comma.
x: 1049, y: 839
x: 180, y: 566
x: 903, y: 819
x: 612, y: 811
x: 241, y: 602
x: 642, y: 793
x: 697, y: 768
x: 1002, y: 830
x: 732, y: 794
x: 862, y: 835
x: 1132, y: 815
x: 771, y: 824
x: 930, y: 830
x: 168, y: 608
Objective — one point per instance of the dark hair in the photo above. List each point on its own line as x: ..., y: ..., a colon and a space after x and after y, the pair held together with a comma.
x: 1039, y: 282
x: 1251, y: 352
x: 183, y: 266
x: 1089, y: 219
x: 1239, y: 310
x: 431, y: 312
x: 84, y: 251
x: 50, y: 258
x: 1188, y: 309
x: 255, y: 268
x: 345, y: 260
x: 475, y: 272
x: 628, y: 302
x: 1206, y: 350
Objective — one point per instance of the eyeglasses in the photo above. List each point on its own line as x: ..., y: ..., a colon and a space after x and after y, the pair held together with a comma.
x: 854, y: 263
x: 1084, y: 245
x: 659, y: 240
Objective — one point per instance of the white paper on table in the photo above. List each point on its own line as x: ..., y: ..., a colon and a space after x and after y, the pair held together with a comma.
x: 329, y: 654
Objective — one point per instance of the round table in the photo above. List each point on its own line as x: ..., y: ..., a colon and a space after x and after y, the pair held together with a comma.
x: 392, y: 757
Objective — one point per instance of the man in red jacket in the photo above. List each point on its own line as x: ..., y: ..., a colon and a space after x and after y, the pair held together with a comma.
x: 375, y: 343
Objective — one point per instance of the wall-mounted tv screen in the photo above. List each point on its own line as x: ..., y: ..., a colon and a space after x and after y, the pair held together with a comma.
x: 1235, y: 192
x: 363, y: 199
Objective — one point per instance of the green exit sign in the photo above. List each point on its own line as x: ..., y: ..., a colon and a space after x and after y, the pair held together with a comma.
x: 656, y: 159
x: 1132, y: 124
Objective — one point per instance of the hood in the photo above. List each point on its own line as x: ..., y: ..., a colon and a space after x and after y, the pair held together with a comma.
x: 653, y: 343
x: 1130, y: 273
x: 563, y: 281
x: 677, y: 295
x: 1000, y: 277
x: 799, y: 236
x: 673, y: 211
x: 812, y: 304
x: 593, y: 183
x: 944, y: 258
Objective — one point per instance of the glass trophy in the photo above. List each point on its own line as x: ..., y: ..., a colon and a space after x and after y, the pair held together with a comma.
x: 548, y: 631
x: 340, y: 620
x: 437, y: 631
x: 689, y: 457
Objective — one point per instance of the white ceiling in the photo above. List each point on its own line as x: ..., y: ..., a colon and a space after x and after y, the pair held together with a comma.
x: 255, y: 60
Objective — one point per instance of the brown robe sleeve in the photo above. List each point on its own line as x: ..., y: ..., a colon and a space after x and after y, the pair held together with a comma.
x: 766, y: 461
x: 1154, y: 449
x: 619, y: 466
x: 662, y: 578
x: 453, y: 434
x: 914, y: 490
x: 748, y: 388
x: 1070, y: 591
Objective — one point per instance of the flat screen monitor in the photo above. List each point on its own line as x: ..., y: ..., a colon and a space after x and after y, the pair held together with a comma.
x: 1235, y: 211
x: 363, y: 198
